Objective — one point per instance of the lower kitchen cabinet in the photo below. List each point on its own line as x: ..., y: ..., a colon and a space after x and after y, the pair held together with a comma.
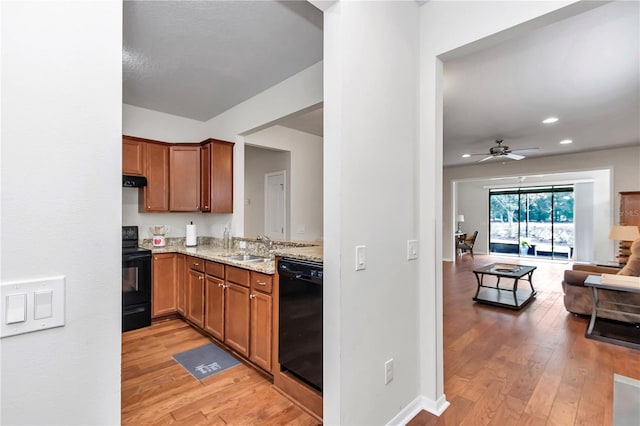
x: 181, y: 284
x: 261, y: 329
x: 214, y: 301
x: 236, y: 318
x: 163, y: 290
x: 195, y: 297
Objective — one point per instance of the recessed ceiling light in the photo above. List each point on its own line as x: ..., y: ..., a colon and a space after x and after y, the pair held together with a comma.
x: 566, y: 142
x: 466, y: 155
x: 550, y: 120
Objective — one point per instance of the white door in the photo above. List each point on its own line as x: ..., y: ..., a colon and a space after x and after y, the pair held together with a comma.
x: 275, y: 199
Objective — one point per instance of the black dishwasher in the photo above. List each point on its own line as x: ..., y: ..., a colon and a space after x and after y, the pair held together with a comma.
x: 300, y: 320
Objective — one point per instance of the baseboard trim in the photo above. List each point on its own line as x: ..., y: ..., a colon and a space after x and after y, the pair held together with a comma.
x: 418, y: 404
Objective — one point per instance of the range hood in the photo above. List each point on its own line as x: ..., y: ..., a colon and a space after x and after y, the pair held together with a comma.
x: 133, y: 181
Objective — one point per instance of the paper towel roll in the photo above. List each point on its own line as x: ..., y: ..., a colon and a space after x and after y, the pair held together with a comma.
x: 192, y: 240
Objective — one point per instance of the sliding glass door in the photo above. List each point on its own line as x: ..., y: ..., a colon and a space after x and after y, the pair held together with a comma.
x: 532, y: 221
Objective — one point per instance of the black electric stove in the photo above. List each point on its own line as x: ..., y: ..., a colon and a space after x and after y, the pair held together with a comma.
x: 136, y: 281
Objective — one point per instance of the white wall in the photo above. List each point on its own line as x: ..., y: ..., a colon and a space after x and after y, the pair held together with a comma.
x: 371, y: 77
x: 305, y: 179
x: 622, y: 166
x: 148, y: 124
x: 257, y: 162
x: 61, y: 167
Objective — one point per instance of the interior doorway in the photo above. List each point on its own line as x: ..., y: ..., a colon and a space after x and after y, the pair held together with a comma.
x: 275, y: 205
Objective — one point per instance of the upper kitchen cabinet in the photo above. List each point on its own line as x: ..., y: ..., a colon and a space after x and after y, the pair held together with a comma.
x: 155, y: 196
x: 133, y: 152
x: 184, y: 169
x: 216, y: 176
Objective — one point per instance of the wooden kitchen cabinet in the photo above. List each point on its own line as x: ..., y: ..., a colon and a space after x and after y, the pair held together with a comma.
x: 181, y: 284
x: 155, y: 196
x: 261, y: 324
x: 195, y: 297
x: 214, y: 312
x: 133, y: 156
x: 237, y: 309
x: 216, y: 176
x: 163, y: 290
x: 184, y: 172
x: 214, y: 294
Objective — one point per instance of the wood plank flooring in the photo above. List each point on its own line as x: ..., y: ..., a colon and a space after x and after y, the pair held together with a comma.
x: 532, y: 367
x: 501, y: 367
x: 156, y: 390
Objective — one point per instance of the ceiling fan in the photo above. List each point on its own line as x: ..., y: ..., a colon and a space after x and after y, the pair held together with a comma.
x: 503, y: 151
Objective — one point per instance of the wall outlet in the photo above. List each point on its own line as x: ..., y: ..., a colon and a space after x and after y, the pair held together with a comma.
x: 388, y: 371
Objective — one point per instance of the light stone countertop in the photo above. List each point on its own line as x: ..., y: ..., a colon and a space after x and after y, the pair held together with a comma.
x: 217, y: 254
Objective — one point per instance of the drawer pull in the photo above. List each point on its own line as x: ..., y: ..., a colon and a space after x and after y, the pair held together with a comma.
x: 261, y: 283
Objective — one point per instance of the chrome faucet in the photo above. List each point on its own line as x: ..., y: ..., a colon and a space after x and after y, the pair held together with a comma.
x: 265, y: 240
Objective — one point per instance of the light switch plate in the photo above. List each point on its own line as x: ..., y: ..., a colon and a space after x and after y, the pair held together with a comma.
x: 51, y: 295
x: 412, y: 249
x: 361, y: 257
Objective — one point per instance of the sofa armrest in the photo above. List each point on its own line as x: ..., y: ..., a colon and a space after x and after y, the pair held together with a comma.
x: 572, y: 277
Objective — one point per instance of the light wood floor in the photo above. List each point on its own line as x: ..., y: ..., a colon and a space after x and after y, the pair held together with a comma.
x: 532, y: 367
x: 501, y: 367
x: 156, y: 390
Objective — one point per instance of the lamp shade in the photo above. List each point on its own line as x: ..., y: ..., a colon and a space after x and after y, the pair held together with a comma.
x: 624, y: 233
x: 460, y: 218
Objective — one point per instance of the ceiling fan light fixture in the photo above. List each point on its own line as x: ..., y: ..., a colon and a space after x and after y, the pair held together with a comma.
x: 566, y: 142
x: 550, y: 120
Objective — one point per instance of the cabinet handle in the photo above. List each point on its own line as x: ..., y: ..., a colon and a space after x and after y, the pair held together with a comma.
x: 200, y: 277
x: 220, y: 285
x: 252, y: 296
x: 261, y: 283
x: 206, y: 207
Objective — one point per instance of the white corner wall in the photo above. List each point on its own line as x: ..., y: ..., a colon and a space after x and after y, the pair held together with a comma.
x: 371, y: 316
x: 60, y: 195
x: 305, y: 178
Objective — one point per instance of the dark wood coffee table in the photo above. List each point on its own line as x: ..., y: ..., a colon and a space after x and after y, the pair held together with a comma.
x: 509, y: 297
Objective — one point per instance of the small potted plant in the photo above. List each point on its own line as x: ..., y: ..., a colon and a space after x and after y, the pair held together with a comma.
x: 524, y: 247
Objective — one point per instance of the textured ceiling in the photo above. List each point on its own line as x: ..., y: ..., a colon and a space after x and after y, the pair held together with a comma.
x: 585, y: 70
x: 196, y: 59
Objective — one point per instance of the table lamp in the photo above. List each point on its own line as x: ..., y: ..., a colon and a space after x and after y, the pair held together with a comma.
x: 626, y: 235
x: 460, y: 219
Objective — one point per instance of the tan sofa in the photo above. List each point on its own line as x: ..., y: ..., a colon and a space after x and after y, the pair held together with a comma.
x: 577, y: 297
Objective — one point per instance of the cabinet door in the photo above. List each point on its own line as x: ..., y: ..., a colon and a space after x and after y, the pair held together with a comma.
x: 205, y: 178
x: 236, y: 318
x: 261, y: 329
x: 132, y: 157
x: 214, y: 307
x: 163, y: 291
x: 184, y: 169
x: 155, y: 196
x: 195, y: 294
x: 217, y: 176
x: 181, y: 280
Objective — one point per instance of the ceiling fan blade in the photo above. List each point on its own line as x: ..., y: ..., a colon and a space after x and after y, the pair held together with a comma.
x: 525, y: 150
x: 486, y: 158
x: 514, y: 156
x: 480, y: 154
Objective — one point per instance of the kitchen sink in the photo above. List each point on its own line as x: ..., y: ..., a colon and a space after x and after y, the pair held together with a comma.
x: 250, y: 258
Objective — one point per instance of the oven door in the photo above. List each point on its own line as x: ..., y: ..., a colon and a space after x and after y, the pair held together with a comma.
x: 136, y: 279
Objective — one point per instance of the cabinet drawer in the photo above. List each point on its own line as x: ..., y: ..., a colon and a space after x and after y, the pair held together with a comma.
x: 214, y: 268
x: 261, y: 282
x: 195, y: 263
x: 237, y: 275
